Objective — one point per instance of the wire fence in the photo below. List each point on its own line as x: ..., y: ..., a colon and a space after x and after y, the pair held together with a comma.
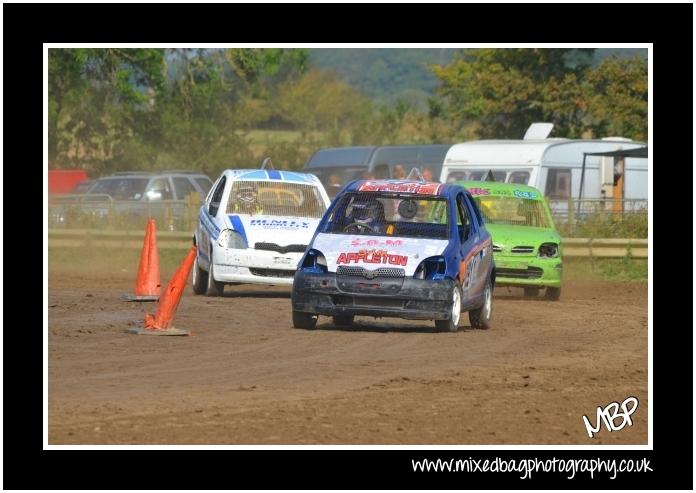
x: 601, y: 218
x: 588, y: 218
x: 101, y: 211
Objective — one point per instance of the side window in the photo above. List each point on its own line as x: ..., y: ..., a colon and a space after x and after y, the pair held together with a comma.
x: 558, y: 183
x: 521, y: 177
x: 463, y: 220
x: 475, y: 208
x: 183, y: 187
x: 205, y: 185
x: 159, y: 189
x: 217, y: 197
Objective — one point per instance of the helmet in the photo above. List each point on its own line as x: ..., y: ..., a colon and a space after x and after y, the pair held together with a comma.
x: 368, y: 211
x: 246, y: 194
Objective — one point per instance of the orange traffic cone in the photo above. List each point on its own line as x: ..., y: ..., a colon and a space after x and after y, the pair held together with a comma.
x: 159, y: 324
x: 147, y: 284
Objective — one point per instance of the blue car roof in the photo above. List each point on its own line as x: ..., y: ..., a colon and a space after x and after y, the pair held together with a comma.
x: 404, y: 186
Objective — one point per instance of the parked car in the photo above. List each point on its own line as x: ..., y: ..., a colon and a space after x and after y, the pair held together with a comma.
x: 130, y: 197
x: 82, y: 187
x: 254, y: 226
x: 526, y: 246
x: 397, y: 248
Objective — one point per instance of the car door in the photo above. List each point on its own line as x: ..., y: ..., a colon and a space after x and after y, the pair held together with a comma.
x: 207, y: 229
x: 482, y: 258
x: 470, y: 253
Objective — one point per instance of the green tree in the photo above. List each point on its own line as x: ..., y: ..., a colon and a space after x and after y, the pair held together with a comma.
x: 95, y: 98
x: 505, y: 90
x: 618, y: 100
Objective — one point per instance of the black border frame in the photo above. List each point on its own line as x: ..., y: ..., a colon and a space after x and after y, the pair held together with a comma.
x: 27, y: 26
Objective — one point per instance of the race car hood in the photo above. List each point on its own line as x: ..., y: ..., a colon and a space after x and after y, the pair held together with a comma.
x: 280, y: 230
x: 372, y: 252
x: 508, y: 235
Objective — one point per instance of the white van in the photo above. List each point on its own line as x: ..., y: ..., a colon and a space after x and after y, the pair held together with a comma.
x: 554, y: 166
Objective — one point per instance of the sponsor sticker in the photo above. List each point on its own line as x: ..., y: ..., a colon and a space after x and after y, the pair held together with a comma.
x: 372, y: 257
x: 400, y: 187
x: 279, y: 224
x: 525, y: 195
x: 479, y: 191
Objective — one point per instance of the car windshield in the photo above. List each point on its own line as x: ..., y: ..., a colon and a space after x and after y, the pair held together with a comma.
x: 121, y: 188
x: 275, y: 199
x: 390, y: 214
x: 82, y: 187
x: 512, y: 210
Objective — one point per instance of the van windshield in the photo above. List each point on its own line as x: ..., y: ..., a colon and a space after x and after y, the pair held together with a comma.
x: 514, y: 211
x: 501, y: 175
x: 334, y: 179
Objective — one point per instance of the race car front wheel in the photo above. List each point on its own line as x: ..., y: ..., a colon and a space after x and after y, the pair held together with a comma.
x: 553, y: 294
x: 199, y: 278
x: 302, y: 320
x: 213, y: 287
x: 343, y: 320
x: 531, y: 291
x: 452, y: 324
x: 481, y: 317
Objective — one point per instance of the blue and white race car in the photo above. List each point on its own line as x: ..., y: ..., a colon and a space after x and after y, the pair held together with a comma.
x: 254, y: 227
x: 395, y: 248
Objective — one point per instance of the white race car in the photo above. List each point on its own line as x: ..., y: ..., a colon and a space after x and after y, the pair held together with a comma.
x: 254, y: 227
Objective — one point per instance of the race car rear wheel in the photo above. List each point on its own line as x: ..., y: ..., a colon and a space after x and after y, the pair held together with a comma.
x: 302, y: 320
x: 213, y: 287
x: 481, y: 317
x: 199, y: 278
x: 452, y: 324
x: 343, y: 320
x: 553, y: 294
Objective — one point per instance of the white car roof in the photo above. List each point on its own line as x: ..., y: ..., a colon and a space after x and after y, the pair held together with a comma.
x: 272, y: 175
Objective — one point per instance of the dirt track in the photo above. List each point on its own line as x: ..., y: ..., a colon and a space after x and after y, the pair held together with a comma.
x: 247, y: 377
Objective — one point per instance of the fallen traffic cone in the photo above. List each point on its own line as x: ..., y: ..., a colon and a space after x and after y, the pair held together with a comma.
x: 159, y: 323
x: 147, y: 284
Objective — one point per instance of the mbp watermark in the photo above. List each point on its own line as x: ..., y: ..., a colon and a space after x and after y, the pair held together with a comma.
x: 610, y: 413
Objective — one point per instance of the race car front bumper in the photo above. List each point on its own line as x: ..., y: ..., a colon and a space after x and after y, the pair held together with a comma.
x: 528, y: 271
x: 413, y: 299
x: 254, y: 266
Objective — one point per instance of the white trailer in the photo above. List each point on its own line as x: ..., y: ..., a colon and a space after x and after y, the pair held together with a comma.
x: 554, y: 166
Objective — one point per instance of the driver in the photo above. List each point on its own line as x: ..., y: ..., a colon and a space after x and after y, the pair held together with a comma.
x: 246, y: 201
x: 368, y: 216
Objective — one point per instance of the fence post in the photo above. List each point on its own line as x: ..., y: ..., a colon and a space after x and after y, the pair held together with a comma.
x: 192, y: 201
x: 571, y: 214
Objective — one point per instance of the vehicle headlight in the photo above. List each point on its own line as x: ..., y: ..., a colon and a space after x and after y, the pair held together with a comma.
x: 314, y: 261
x: 432, y: 268
x: 548, y: 250
x: 231, y: 239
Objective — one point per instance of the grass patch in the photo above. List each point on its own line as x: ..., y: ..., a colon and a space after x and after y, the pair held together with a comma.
x: 124, y: 263
x: 607, y: 226
x: 108, y: 261
x: 606, y: 269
